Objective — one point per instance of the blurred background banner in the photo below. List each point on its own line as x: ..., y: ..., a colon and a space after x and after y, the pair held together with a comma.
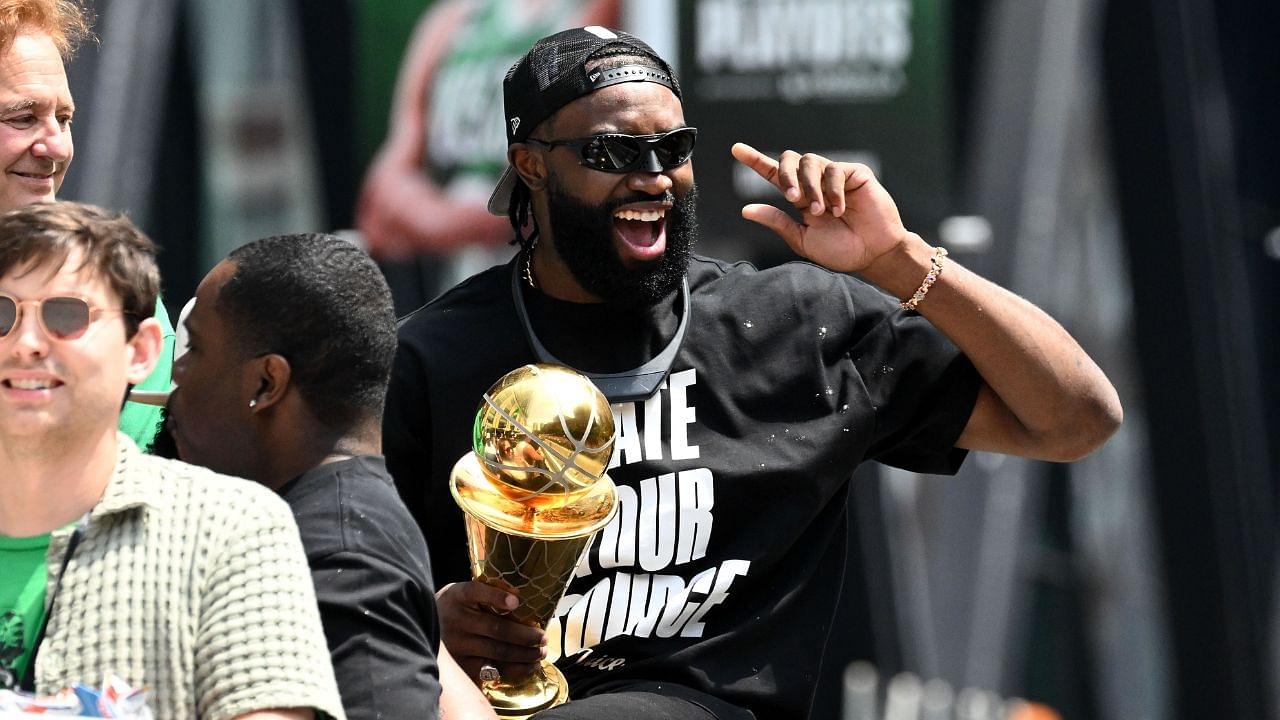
x: 1114, y: 161
x: 864, y: 81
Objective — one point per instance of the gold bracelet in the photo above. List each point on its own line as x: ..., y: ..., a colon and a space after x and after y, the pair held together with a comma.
x: 935, y: 269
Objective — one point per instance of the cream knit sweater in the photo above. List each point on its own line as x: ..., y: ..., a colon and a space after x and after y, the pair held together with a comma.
x: 195, y: 585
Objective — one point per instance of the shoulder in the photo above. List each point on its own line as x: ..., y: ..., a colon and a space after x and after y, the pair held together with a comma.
x: 355, y: 511
x: 190, y: 494
x: 799, y: 275
x: 798, y: 286
x: 480, y: 294
x: 237, y: 492
x: 464, y: 339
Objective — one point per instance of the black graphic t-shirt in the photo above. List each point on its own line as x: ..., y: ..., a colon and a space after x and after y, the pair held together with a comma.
x: 723, y: 567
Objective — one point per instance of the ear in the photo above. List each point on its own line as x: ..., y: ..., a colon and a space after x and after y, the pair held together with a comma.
x: 271, y: 381
x: 530, y: 165
x: 143, y: 351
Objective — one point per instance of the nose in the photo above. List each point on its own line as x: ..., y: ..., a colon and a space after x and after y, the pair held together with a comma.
x: 54, y: 141
x: 650, y: 182
x: 28, y: 338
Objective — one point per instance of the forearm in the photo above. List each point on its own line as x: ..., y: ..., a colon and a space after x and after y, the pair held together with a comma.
x: 1047, y: 399
x: 1043, y: 397
x: 460, y: 699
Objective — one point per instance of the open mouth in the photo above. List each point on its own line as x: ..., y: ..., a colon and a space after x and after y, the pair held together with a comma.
x: 643, y: 232
x: 30, y: 384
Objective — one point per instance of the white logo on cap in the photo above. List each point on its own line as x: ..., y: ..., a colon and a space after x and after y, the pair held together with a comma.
x: 601, y: 32
x: 515, y: 123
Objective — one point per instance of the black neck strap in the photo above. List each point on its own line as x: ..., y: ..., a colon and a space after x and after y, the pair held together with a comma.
x: 627, y: 386
x: 28, y: 681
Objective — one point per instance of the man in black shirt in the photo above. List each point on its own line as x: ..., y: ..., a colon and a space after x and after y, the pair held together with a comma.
x: 290, y: 347
x: 744, y: 399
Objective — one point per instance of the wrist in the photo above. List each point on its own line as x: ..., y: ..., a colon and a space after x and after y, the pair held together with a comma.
x: 900, y: 271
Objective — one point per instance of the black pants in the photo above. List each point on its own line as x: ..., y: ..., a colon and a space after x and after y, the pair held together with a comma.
x: 647, y: 701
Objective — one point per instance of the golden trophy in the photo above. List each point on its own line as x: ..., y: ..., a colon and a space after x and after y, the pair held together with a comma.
x: 534, y: 492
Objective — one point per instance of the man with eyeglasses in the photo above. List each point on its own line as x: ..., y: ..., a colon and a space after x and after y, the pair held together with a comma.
x: 113, y: 562
x: 744, y: 399
x: 36, y: 111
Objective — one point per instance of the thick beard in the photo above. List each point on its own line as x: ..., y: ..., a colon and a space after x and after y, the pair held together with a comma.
x: 583, y: 237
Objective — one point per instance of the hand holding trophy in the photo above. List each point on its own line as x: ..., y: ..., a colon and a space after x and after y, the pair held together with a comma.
x: 534, y: 492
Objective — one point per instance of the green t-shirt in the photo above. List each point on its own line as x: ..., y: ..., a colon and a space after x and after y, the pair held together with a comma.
x: 142, y: 422
x: 22, y: 580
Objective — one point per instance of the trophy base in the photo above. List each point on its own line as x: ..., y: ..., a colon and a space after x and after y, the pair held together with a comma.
x: 545, y: 688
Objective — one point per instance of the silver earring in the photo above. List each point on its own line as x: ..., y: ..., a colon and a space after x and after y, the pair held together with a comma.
x: 253, y: 403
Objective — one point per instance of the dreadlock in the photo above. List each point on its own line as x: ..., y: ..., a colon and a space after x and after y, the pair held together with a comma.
x: 520, y: 212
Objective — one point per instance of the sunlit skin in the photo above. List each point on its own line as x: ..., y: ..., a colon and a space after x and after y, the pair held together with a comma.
x: 631, y: 108
x: 35, y: 121
x: 210, y: 404
x: 63, y: 430
x: 85, y: 377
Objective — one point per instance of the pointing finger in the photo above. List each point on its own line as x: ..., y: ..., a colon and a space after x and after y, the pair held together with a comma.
x: 764, y: 166
x: 780, y: 174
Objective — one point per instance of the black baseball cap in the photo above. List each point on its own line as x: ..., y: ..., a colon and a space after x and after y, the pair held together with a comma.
x: 554, y: 73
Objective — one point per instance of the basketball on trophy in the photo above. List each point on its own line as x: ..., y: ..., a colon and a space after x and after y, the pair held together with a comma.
x: 534, y: 492
x: 544, y: 430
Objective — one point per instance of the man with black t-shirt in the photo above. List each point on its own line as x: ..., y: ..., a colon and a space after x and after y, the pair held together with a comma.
x: 283, y: 381
x: 744, y: 399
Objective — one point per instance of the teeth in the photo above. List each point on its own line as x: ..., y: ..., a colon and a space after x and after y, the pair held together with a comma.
x: 644, y: 215
x: 31, y: 384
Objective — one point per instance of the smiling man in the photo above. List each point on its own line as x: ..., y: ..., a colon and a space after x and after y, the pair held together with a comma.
x: 36, y: 110
x: 117, y: 563
x: 744, y: 399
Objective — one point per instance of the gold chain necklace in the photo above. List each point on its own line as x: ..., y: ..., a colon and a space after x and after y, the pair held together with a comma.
x: 528, y: 268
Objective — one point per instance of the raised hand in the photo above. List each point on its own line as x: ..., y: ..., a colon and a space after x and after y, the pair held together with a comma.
x: 477, y: 634
x: 849, y: 220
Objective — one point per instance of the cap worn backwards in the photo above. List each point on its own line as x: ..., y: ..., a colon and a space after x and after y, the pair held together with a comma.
x: 554, y: 73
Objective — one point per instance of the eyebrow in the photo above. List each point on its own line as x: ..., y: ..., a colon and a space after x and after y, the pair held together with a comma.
x: 28, y: 103
x: 23, y: 104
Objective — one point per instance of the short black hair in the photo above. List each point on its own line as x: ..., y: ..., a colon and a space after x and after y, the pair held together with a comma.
x: 322, y: 304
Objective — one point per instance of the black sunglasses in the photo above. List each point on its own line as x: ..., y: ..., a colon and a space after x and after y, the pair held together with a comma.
x: 63, y: 317
x: 620, y: 153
